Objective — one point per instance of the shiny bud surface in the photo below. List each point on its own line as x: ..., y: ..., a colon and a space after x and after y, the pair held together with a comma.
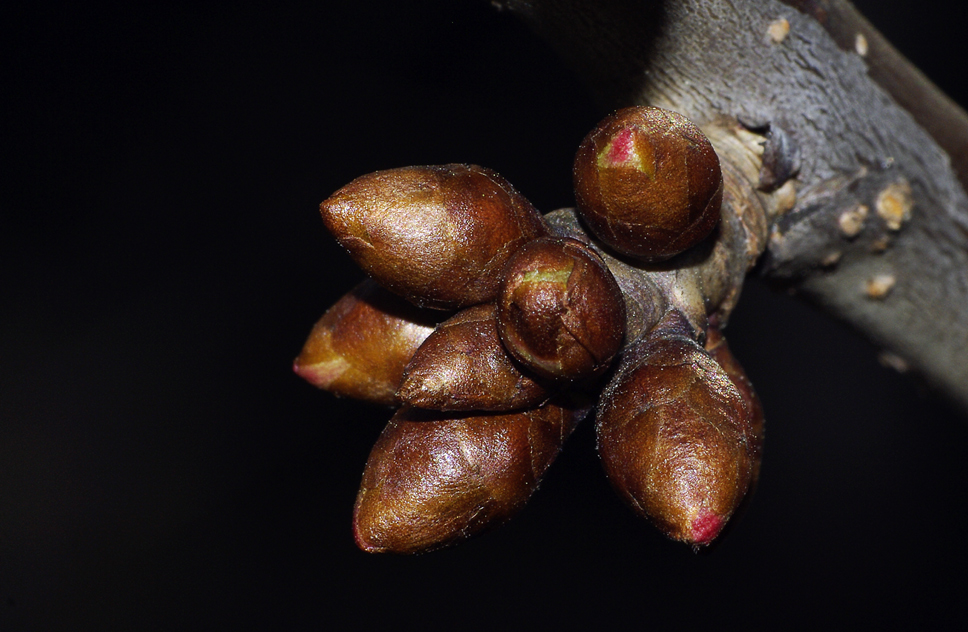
x: 674, y: 437
x: 560, y: 311
x: 361, y: 345
x: 648, y: 183
x: 719, y: 350
x: 432, y: 482
x: 464, y: 366
x: 438, y: 236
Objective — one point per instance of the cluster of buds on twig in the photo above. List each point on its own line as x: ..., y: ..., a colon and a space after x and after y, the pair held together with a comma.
x: 490, y: 326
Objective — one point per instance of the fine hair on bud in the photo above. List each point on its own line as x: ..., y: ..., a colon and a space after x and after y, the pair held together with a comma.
x: 717, y: 347
x: 462, y: 365
x: 360, y: 346
x: 648, y: 183
x: 438, y: 236
x: 674, y: 436
x: 432, y: 481
x: 560, y: 311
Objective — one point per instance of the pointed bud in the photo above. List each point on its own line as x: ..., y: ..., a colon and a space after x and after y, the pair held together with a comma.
x: 719, y: 350
x: 560, y: 310
x: 438, y: 236
x: 673, y: 435
x: 648, y: 183
x: 361, y: 345
x: 464, y: 366
x: 432, y: 482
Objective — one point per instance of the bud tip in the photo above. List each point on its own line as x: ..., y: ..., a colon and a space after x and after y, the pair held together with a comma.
x: 620, y: 149
x: 321, y: 374
x: 302, y: 370
x: 362, y: 543
x: 705, y: 527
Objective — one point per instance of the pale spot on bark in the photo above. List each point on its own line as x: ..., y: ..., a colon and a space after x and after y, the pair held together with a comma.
x: 777, y: 239
x: 878, y: 287
x: 786, y: 197
x: 860, y: 45
x: 881, y: 244
x: 893, y: 361
x: 778, y: 30
x: 831, y: 259
x: 851, y: 221
x: 894, y: 204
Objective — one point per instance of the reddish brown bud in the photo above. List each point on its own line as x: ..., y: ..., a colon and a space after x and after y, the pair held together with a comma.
x: 361, y: 345
x: 438, y: 236
x: 648, y: 183
x: 464, y: 366
x: 674, y: 434
x: 560, y: 311
x: 430, y: 483
x: 719, y: 350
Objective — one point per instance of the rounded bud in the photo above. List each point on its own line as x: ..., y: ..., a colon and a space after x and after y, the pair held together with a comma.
x: 674, y: 436
x: 560, y: 310
x: 432, y: 481
x: 464, y: 366
x: 648, y: 183
x: 438, y: 236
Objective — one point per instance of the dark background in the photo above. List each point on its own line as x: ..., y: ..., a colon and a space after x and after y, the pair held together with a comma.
x: 162, y: 260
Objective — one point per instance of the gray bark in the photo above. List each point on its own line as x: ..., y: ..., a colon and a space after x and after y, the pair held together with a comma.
x: 877, y: 233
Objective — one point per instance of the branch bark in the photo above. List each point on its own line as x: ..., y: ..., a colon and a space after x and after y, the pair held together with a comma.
x: 843, y: 142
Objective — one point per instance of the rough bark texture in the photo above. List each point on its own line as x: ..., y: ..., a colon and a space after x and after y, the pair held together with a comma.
x: 932, y: 109
x: 874, y: 227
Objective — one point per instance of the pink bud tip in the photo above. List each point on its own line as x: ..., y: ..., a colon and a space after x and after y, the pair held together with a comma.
x: 303, y: 371
x: 311, y: 373
x: 621, y: 148
x: 705, y: 527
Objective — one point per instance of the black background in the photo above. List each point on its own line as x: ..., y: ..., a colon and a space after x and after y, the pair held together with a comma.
x: 162, y: 260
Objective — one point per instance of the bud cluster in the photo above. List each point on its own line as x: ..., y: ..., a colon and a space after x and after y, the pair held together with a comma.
x: 484, y: 328
x: 479, y: 420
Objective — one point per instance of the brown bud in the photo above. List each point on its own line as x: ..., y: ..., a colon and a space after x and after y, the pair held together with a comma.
x: 673, y: 435
x: 438, y: 236
x: 464, y: 366
x: 648, y: 183
x: 361, y: 345
x: 560, y: 311
x: 430, y: 483
x: 719, y: 350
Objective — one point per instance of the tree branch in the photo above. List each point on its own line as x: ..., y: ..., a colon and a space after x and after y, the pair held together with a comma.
x: 932, y: 109
x: 874, y: 224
